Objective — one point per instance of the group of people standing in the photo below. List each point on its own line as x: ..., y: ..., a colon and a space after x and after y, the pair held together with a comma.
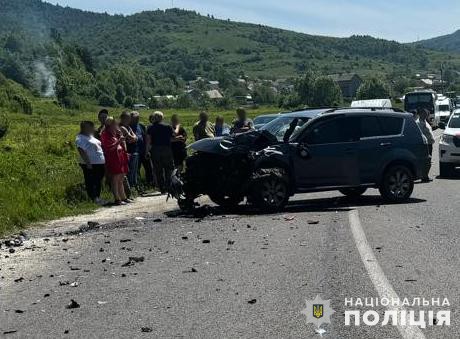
x: 118, y: 149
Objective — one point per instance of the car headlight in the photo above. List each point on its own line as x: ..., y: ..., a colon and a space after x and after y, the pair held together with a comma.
x: 447, y: 139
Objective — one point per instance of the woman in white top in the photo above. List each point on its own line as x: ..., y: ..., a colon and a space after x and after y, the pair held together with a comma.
x: 92, y: 161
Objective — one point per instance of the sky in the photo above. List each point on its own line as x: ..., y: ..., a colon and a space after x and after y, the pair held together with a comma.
x: 400, y: 20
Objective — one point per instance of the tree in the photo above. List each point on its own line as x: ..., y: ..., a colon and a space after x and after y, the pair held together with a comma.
x: 326, y: 93
x: 129, y: 102
x: 120, y: 94
x: 304, y: 88
x: 263, y: 94
x: 107, y: 101
x: 373, y: 89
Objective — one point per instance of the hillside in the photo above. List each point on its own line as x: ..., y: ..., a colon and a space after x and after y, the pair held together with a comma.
x: 449, y: 42
x: 187, y: 44
x: 115, y: 59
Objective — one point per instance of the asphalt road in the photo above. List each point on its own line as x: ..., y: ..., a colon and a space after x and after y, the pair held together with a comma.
x: 238, y: 275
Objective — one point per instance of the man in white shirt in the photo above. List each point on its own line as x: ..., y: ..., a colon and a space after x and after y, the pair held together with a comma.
x: 92, y: 161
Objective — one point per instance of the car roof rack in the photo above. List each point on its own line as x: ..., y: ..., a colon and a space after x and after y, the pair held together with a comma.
x: 373, y: 109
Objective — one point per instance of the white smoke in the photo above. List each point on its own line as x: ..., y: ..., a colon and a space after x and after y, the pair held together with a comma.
x: 45, y: 78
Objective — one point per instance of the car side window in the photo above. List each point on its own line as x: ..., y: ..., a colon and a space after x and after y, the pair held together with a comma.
x: 333, y: 131
x: 391, y: 125
x: 370, y: 127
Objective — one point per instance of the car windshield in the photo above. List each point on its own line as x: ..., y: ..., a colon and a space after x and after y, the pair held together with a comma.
x: 264, y: 119
x: 455, y: 121
x: 278, y: 127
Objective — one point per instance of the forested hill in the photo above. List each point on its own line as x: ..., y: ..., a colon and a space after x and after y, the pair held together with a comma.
x: 449, y: 42
x: 116, y: 59
x: 188, y: 44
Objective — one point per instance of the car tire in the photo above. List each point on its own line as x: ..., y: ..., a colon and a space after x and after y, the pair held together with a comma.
x: 446, y: 169
x: 225, y: 201
x: 269, y: 189
x: 397, y: 184
x: 353, y: 192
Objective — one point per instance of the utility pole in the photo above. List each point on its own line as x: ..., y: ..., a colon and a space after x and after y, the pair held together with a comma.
x: 442, y: 77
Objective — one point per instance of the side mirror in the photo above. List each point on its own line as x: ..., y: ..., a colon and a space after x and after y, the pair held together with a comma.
x: 303, y: 151
x: 442, y: 125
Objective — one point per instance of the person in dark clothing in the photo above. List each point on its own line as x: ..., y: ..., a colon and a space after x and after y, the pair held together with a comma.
x: 101, y: 117
x: 203, y: 128
x: 178, y: 143
x: 92, y: 161
x: 242, y: 123
x: 159, y: 138
x: 141, y: 133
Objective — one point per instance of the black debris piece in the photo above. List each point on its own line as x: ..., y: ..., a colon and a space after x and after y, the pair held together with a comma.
x: 9, y: 332
x: 125, y: 240
x: 72, y: 304
x: 157, y: 220
x: 206, y: 241
x: 252, y: 301
x: 19, y: 279
x: 132, y: 260
x: 192, y: 270
x: 146, y: 329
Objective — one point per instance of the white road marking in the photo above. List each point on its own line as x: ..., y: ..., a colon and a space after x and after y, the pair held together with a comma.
x: 378, y: 278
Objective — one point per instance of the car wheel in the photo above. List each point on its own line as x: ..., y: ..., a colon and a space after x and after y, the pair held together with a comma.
x: 225, y: 201
x: 397, y: 184
x: 353, y: 192
x: 269, y: 189
x: 446, y: 169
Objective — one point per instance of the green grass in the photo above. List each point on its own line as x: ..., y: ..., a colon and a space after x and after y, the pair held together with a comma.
x: 39, y: 176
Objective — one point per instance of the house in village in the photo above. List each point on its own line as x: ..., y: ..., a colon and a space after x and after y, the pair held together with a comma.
x: 348, y: 83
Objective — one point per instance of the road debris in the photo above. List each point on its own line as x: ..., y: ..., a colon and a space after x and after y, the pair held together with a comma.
x: 146, y: 329
x: 72, y: 304
x: 132, y: 261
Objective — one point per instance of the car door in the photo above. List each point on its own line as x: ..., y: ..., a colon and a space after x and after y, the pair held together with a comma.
x: 332, y: 146
x: 379, y: 136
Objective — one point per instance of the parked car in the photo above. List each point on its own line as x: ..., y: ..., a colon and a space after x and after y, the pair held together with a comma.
x: 449, y: 146
x: 261, y: 120
x: 349, y: 150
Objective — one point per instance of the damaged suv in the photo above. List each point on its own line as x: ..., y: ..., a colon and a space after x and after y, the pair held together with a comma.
x: 348, y: 150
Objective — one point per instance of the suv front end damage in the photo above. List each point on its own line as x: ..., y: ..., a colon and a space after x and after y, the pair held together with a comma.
x: 225, y: 169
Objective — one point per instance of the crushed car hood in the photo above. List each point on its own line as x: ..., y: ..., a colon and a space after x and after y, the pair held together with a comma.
x: 238, y: 143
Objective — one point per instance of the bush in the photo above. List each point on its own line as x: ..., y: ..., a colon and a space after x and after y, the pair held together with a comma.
x: 23, y: 103
x: 4, y: 125
x: 107, y: 100
x: 70, y: 102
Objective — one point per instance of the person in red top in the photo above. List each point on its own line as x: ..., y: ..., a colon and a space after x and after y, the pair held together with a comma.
x: 116, y: 158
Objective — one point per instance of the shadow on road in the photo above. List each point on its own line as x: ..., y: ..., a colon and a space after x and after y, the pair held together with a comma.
x: 341, y: 203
